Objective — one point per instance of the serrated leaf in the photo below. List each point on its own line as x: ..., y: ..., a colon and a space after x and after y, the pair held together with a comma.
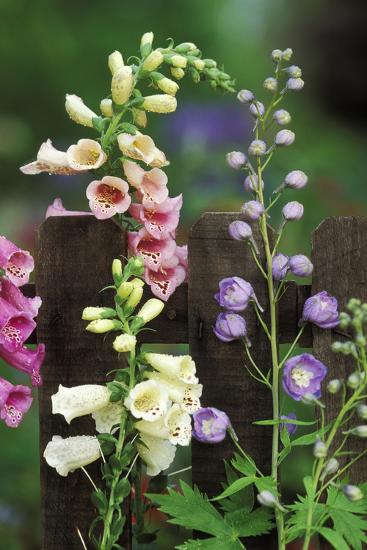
x: 242, y: 499
x: 266, y: 483
x: 244, y: 465
x: 251, y: 524
x: 334, y: 538
x: 210, y: 544
x: 348, y: 517
x: 236, y: 486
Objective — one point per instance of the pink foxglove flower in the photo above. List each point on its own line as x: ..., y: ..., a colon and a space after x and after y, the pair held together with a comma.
x: 26, y: 360
x: 163, y: 283
x: 11, y: 294
x: 154, y: 253
x: 87, y: 154
x: 17, y: 263
x: 15, y: 401
x: 182, y: 255
x: 57, y: 209
x: 160, y: 220
x: 108, y: 196
x: 141, y: 147
x: 15, y: 326
x: 49, y: 159
x: 152, y: 185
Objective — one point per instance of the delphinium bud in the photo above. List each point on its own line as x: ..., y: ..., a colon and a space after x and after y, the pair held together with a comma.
x: 352, y: 492
x: 245, y: 96
x: 282, y: 117
x: 252, y: 210
x: 360, y: 431
x: 330, y: 468
x: 344, y: 320
x: 251, y: 183
x: 294, y: 71
x: 257, y: 109
x: 295, y: 84
x: 266, y: 498
x: 354, y: 380
x: 240, y: 231
x: 319, y: 449
x: 300, y: 266
x: 334, y: 385
x: 292, y: 211
x: 284, y: 138
x: 276, y: 55
x: 287, y: 54
x: 257, y: 148
x: 236, y: 159
x: 270, y: 84
x: 362, y: 411
x: 296, y: 179
x: 280, y: 266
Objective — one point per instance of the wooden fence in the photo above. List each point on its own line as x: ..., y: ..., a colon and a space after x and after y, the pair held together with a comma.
x: 74, y: 257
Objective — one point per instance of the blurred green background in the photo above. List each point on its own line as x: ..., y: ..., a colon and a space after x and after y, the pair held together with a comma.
x: 50, y: 47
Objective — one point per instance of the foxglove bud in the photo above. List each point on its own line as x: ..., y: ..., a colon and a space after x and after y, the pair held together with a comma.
x: 151, y: 309
x: 245, y: 96
x: 294, y: 71
x: 140, y: 117
x: 300, y: 266
x: 362, y: 411
x: 146, y: 43
x: 103, y: 325
x: 252, y: 210
x: 167, y: 86
x: 134, y: 298
x: 296, y: 179
x: 280, y: 266
x: 210, y: 63
x: 199, y: 64
x: 295, y: 84
x: 161, y: 103
x: 239, y: 231
x: 354, y: 380
x: 122, y: 85
x: 319, y: 449
x: 176, y: 60
x: 270, y: 84
x: 284, y: 138
x: 236, y: 159
x: 115, y: 61
x: 282, y: 117
x: 94, y: 313
x: 106, y: 107
x: 360, y: 431
x: 257, y: 109
x: 185, y: 47
x: 78, y: 111
x: 251, y: 183
x: 334, y: 386
x: 136, y: 266
x: 276, y: 55
x: 117, y: 271
x: 287, y: 54
x: 124, y: 343
x: 293, y: 211
x: 352, y: 492
x: 177, y: 73
x: 257, y: 148
x: 125, y: 289
x: 330, y: 468
x: 154, y: 59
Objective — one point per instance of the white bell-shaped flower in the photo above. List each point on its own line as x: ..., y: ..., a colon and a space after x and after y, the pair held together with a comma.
x: 186, y: 395
x: 181, y: 366
x: 87, y: 154
x: 67, y: 455
x: 158, y: 454
x: 175, y: 426
x: 79, y: 400
x: 49, y: 159
x: 148, y: 400
x: 109, y: 417
x: 78, y: 111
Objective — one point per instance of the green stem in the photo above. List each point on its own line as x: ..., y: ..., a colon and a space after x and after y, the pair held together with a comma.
x: 291, y: 349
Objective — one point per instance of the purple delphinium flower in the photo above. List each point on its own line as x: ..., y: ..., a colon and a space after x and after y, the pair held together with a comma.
x: 26, y: 360
x: 230, y: 326
x: 252, y: 210
x: 257, y: 147
x: 292, y: 211
x: 295, y: 84
x: 300, y: 265
x: 296, y: 179
x: 245, y: 96
x: 280, y: 266
x: 15, y: 401
x: 210, y: 425
x: 282, y: 117
x: 321, y: 310
x: 303, y: 375
x: 236, y: 159
x: 239, y: 231
x: 257, y: 109
x: 235, y: 294
x: 290, y: 427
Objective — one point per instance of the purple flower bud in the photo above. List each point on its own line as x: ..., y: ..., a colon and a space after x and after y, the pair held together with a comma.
x: 252, y: 210
x: 235, y: 294
x: 284, y: 138
x: 296, y: 179
x: 295, y: 84
x: 294, y: 71
x: 334, y: 385
x: 257, y: 109
x: 240, y: 231
x: 270, y: 84
x: 303, y: 375
x: 319, y: 449
x: 362, y: 411
x: 287, y: 54
x: 330, y: 468
x: 230, y: 326
x: 236, y: 159
x: 289, y: 426
x: 321, y: 310
x: 292, y: 211
x: 352, y: 492
x: 251, y: 183
x: 282, y: 117
x: 257, y: 148
x: 280, y: 266
x: 210, y: 425
x: 276, y: 55
x: 300, y: 265
x: 245, y: 96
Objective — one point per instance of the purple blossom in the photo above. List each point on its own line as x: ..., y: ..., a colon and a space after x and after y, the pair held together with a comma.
x: 15, y: 326
x: 295, y: 84
x: 11, y: 294
x: 300, y: 265
x: 296, y: 179
x: 284, y: 138
x: 257, y: 108
x: 15, y: 401
x: 292, y: 211
x: 321, y: 310
x: 280, y: 266
x: 257, y: 148
x: 252, y: 210
x: 245, y: 96
x: 26, y: 360
x: 289, y: 426
x: 251, y: 183
x: 282, y: 117
x: 17, y: 263
x: 236, y: 159
x: 210, y: 425
x: 230, y: 326
x: 235, y: 294
x: 239, y: 231
x: 303, y: 375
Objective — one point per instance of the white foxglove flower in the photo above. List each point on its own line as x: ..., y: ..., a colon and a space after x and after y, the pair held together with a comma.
x: 49, y: 159
x: 122, y: 85
x: 152, y: 61
x: 141, y: 147
x: 148, y: 400
x: 151, y: 309
x: 115, y: 61
x: 78, y: 111
x: 186, y: 395
x: 94, y: 313
x: 124, y: 343
x: 181, y: 366
x: 175, y: 426
x: 79, y: 400
x: 108, y: 417
x: 153, y: 429
x: 158, y: 454
x: 67, y: 455
x: 167, y: 86
x: 160, y: 103
x: 87, y: 154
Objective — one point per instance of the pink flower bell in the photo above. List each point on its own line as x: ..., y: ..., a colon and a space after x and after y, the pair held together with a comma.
x: 152, y: 185
x: 155, y: 253
x: 57, y: 209
x: 15, y: 401
x: 108, y: 196
x: 13, y: 296
x: 17, y: 263
x: 26, y: 360
x: 15, y: 326
x: 163, y: 283
x: 160, y: 220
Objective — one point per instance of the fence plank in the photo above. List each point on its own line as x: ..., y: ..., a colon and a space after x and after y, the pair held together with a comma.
x: 339, y: 256
x: 227, y: 386
x: 73, y: 264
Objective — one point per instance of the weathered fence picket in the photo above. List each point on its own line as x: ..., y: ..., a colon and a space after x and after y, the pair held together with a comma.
x: 73, y: 264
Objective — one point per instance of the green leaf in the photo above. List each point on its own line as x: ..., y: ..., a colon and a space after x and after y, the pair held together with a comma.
x: 129, y: 128
x: 98, y: 123
x: 266, y: 483
x: 244, y: 465
x: 284, y: 421
x: 122, y: 490
x: 348, y: 517
x: 251, y: 524
x: 236, y: 486
x: 211, y: 544
x: 99, y: 501
x: 242, y: 499
x: 107, y: 442
x: 334, y: 538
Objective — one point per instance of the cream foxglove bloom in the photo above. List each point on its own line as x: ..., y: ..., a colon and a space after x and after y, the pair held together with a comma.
x: 106, y: 107
x: 141, y: 147
x: 87, y: 154
x: 175, y: 426
x: 158, y: 454
x: 180, y: 366
x: 160, y: 103
x: 148, y: 400
x: 167, y: 86
x: 177, y: 60
x: 79, y: 400
x: 115, y: 61
x: 177, y: 73
x: 146, y: 39
x: 49, y: 159
x: 124, y: 343
x: 94, y: 313
x: 152, y: 61
x: 186, y: 395
x: 108, y: 417
x: 140, y: 117
x: 100, y: 326
x: 78, y: 111
x: 67, y: 455
x: 151, y: 309
x: 122, y: 85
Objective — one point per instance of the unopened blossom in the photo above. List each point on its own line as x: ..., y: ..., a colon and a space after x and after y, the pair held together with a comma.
x: 50, y: 160
x: 12, y: 295
x: 321, y: 310
x: 181, y: 366
x: 101, y: 326
x: 276, y: 55
x: 151, y: 185
x: 164, y: 282
x: 152, y: 61
x: 122, y: 85
x: 289, y: 426
x: 140, y: 119
x: 146, y: 42
x: 282, y: 117
x: 17, y: 263
x: 106, y: 107
x: 167, y: 86
x: 115, y: 61
x: 270, y: 84
x: 296, y: 179
x: 185, y: 395
x: 287, y: 54
x: 334, y: 385
x: 284, y: 138
x: 235, y: 294
x: 87, y: 154
x: 302, y: 375
x: 15, y: 326
x: 134, y: 299
x: 124, y: 343
x: 57, y: 209
x: 147, y: 400
x: 236, y: 159
x: 257, y: 109
x: 251, y: 183
x: 294, y: 71
x: 245, y: 96
x: 295, y: 84
x: 300, y: 266
x: 26, y: 360
x: 126, y: 288
x: 177, y: 61
x: 108, y: 196
x: 230, y: 326
x: 266, y: 498
x: 154, y: 252
x: 354, y: 380
x: 160, y: 220
x: 160, y: 103
x: 15, y: 402
x: 252, y: 210
x: 141, y: 147
x: 319, y: 449
x: 79, y: 400
x: 362, y: 411
x: 360, y: 431
x: 352, y: 492
x: 174, y: 426
x: 94, y: 313
x: 158, y: 454
x: 177, y: 73
x: 330, y: 468
x: 150, y: 310
x: 293, y: 211
x: 257, y: 148
x: 280, y: 266
x: 78, y: 111
x: 67, y: 455
x: 210, y: 425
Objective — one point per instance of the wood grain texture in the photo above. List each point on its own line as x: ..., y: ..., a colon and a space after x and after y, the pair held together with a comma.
x: 74, y: 256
